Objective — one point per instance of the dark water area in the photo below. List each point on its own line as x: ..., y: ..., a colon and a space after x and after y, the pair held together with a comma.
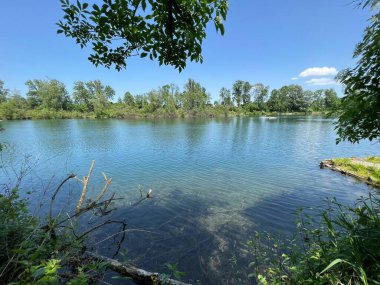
x: 214, y: 181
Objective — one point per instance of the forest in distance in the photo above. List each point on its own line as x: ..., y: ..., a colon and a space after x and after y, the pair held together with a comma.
x: 49, y: 99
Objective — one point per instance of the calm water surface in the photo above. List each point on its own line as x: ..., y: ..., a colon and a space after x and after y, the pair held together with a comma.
x: 214, y: 181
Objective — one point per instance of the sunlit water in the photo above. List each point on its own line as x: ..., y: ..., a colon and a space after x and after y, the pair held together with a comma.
x: 214, y: 181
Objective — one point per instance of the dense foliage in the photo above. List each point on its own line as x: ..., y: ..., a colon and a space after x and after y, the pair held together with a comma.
x: 171, y: 31
x: 29, y: 253
x: 359, y: 116
x: 50, y: 99
x: 337, y: 246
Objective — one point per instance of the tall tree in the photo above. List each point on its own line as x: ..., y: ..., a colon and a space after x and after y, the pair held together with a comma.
x: 237, y: 92
x: 101, y: 94
x: 225, y: 97
x: 194, y: 96
x: 246, y: 93
x: 128, y: 99
x: 318, y: 103
x: 51, y: 94
x: 359, y: 114
x: 4, y: 93
x: 332, y: 100
x: 82, y: 97
x: 171, y: 31
x: 296, y: 98
x: 260, y: 93
x: 170, y: 97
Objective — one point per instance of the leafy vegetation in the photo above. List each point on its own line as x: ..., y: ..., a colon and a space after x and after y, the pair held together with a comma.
x: 359, y: 116
x: 336, y: 246
x: 167, y: 30
x: 49, y: 99
x: 30, y: 253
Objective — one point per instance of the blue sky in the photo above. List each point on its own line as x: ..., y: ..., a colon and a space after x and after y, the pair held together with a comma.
x: 268, y: 41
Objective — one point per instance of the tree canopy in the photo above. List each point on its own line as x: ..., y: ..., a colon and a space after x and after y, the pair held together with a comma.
x: 359, y: 116
x: 171, y: 31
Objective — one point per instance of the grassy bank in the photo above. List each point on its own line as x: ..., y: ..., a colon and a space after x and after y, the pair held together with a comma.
x: 368, y: 169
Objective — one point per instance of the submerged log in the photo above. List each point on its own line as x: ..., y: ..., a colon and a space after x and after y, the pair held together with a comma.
x: 140, y: 276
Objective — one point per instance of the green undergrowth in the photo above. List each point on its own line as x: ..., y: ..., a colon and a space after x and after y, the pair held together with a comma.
x: 367, y: 172
x: 33, y: 252
x: 338, y: 246
x: 373, y: 159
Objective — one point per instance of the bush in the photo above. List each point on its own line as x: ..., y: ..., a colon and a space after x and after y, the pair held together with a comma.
x: 340, y: 246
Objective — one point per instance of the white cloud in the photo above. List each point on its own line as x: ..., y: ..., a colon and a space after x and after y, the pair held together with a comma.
x: 294, y: 78
x: 322, y: 81
x: 319, y: 71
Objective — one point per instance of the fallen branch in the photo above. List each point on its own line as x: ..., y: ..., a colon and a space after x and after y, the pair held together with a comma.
x: 140, y: 276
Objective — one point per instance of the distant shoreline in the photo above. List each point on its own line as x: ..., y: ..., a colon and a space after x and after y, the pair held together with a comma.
x: 46, y: 114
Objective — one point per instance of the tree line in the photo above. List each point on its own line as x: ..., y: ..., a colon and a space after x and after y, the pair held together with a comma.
x: 47, y: 98
x: 290, y: 98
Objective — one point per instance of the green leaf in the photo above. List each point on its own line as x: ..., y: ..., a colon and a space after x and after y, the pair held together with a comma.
x: 333, y: 263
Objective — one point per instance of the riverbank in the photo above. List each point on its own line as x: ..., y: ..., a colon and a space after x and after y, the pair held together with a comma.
x: 118, y: 112
x: 364, y: 169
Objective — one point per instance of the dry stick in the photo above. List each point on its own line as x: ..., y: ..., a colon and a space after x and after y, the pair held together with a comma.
x: 88, y: 208
x: 84, y: 191
x: 140, y: 276
x: 108, y: 182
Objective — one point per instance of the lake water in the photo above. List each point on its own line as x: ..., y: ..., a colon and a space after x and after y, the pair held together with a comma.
x: 214, y: 181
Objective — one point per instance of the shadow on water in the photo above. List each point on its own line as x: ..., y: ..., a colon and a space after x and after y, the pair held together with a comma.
x: 182, y: 229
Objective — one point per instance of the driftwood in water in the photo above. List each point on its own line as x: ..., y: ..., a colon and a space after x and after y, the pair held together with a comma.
x: 140, y: 276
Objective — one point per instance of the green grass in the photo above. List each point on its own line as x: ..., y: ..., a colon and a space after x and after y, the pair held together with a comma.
x: 366, y: 172
x: 373, y: 159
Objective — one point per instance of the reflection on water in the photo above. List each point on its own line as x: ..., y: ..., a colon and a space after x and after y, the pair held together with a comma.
x: 214, y: 181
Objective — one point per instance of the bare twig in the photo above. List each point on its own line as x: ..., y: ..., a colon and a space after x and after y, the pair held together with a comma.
x: 84, y: 191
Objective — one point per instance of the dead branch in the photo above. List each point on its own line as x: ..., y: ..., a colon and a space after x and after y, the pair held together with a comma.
x: 84, y: 191
x: 108, y: 182
x: 140, y: 276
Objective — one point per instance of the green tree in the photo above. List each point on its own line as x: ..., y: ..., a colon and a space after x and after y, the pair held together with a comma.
x: 128, y: 99
x: 237, y: 92
x: 141, y: 101
x: 51, y: 94
x: 101, y: 94
x: 194, y: 96
x: 4, y: 93
x: 318, y: 103
x: 261, y: 95
x: 32, y: 95
x: 225, y: 97
x: 155, y: 101
x: 359, y: 113
x: 14, y: 107
x: 296, y: 97
x: 170, y: 97
x: 274, y: 104
x: 332, y: 100
x: 246, y: 93
x: 168, y: 30
x: 82, y: 97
